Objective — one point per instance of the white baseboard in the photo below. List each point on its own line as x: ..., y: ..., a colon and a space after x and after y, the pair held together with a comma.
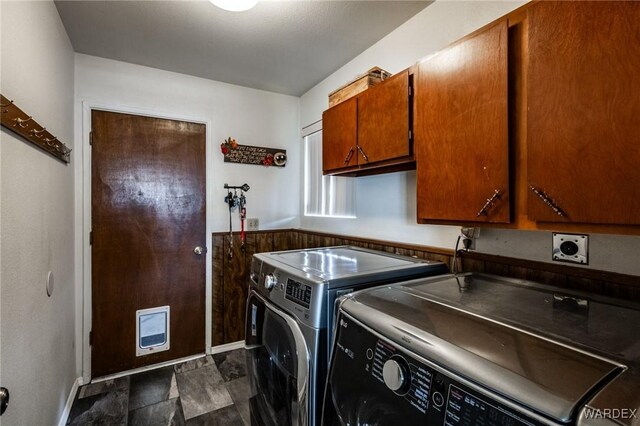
x: 147, y: 368
x: 67, y: 407
x: 227, y: 347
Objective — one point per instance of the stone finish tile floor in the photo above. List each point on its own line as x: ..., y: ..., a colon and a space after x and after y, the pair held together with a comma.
x: 212, y: 390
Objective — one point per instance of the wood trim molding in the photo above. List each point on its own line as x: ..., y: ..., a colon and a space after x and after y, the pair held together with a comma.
x: 590, y: 274
x: 406, y: 246
x: 266, y: 231
x: 437, y: 250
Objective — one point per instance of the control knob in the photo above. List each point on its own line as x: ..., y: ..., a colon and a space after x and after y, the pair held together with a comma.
x: 396, y: 375
x: 270, y: 281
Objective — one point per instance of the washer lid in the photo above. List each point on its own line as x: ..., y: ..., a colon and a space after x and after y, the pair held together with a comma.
x: 352, y: 263
x: 524, y: 364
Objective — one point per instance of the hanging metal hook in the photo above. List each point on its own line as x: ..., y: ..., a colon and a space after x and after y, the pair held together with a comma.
x: 21, y: 122
x: 49, y: 141
x: 38, y: 133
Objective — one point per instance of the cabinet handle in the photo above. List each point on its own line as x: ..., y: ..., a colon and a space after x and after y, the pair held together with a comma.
x: 363, y: 154
x: 547, y: 200
x: 348, y: 157
x: 490, y: 201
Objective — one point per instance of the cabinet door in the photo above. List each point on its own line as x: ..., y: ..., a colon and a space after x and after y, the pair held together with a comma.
x: 383, y: 120
x: 339, y: 133
x: 461, y: 130
x: 583, y: 94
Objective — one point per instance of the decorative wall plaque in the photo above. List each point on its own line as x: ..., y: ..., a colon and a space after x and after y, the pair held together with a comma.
x: 246, y: 154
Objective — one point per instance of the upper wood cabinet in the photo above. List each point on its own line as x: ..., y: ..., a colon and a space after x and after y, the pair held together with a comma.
x: 461, y: 130
x: 383, y: 120
x: 339, y: 136
x: 369, y: 133
x: 583, y: 94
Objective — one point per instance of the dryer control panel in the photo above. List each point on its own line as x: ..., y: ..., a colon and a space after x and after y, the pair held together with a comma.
x: 375, y: 381
x: 298, y: 292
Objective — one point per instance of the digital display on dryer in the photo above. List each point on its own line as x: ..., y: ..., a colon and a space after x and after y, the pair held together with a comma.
x: 464, y: 409
x: 298, y: 292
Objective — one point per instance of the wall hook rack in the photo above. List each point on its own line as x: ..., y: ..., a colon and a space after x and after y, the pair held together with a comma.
x: 14, y: 119
x: 243, y: 187
x: 234, y: 201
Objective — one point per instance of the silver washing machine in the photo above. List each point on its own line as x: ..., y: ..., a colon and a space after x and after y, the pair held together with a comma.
x: 475, y: 349
x: 290, y: 320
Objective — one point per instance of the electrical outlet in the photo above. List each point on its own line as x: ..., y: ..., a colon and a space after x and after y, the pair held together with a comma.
x: 253, y: 224
x: 470, y: 232
x: 570, y: 248
x: 470, y: 235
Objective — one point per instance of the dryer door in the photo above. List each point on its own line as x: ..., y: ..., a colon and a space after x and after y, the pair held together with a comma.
x: 278, y: 366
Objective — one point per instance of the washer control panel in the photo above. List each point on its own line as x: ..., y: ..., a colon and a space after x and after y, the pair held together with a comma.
x: 298, y: 292
x: 372, y: 380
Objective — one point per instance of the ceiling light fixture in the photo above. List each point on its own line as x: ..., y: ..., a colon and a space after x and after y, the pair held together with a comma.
x: 235, y: 5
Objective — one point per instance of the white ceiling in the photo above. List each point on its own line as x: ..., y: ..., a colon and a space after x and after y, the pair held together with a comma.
x: 280, y: 46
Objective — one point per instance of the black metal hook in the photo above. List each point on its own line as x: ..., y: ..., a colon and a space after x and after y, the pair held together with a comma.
x: 243, y: 187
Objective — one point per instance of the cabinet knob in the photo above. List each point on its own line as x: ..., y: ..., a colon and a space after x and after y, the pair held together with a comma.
x: 199, y: 250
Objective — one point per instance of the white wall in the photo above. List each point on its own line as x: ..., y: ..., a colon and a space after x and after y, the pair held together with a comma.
x: 386, y: 204
x: 37, y: 333
x: 253, y: 117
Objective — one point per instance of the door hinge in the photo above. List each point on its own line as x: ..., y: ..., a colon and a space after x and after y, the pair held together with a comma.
x: 410, y: 91
x: 91, y: 338
x: 91, y: 138
x: 91, y: 238
x: 410, y: 135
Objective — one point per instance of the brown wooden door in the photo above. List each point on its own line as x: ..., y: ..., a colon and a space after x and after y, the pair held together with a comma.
x: 383, y: 120
x: 148, y: 214
x: 461, y: 130
x: 339, y: 133
x: 583, y: 94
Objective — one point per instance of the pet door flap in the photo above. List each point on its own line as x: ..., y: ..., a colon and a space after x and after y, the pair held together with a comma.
x: 152, y: 330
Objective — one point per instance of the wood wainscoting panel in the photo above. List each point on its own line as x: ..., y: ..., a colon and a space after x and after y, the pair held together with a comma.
x: 231, y: 282
x: 235, y: 291
x: 217, y: 294
x: 589, y: 281
x: 231, y: 276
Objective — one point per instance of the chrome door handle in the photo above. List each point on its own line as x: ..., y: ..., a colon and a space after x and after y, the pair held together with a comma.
x: 547, y: 200
x: 199, y: 250
x: 347, y: 159
x: 363, y: 154
x: 4, y: 399
x: 490, y: 201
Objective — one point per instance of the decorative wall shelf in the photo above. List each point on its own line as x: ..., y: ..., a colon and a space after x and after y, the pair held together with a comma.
x: 16, y: 120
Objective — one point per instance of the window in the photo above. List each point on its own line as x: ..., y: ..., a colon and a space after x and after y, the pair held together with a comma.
x: 328, y: 196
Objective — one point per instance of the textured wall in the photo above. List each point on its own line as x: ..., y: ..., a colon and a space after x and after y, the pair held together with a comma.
x: 37, y: 360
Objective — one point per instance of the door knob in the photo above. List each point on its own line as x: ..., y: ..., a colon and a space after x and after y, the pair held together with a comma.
x: 4, y: 399
x: 199, y: 250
